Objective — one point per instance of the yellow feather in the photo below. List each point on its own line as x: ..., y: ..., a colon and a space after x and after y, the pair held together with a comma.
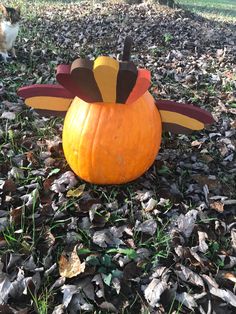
x: 105, y: 71
x: 180, y: 119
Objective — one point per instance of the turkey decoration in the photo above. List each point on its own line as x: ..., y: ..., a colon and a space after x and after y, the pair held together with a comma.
x: 113, y: 126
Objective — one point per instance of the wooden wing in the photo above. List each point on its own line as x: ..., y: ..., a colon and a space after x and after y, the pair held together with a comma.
x: 47, y: 99
x: 182, y: 118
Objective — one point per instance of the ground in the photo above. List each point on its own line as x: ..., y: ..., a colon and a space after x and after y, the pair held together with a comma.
x: 165, y: 243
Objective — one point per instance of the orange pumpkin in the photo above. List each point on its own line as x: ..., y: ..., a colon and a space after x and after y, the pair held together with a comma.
x: 112, y: 129
x: 111, y: 143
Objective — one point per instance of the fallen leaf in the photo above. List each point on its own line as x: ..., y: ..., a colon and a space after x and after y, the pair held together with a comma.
x: 59, y: 309
x: 186, y: 222
x: 32, y: 159
x: 16, y: 173
x: 65, y: 182
x: 4, y: 222
x: 5, y: 309
x: 150, y: 205
x: 68, y: 292
x: 233, y: 238
x: 8, y: 185
x: 188, y: 275
x: 196, y: 143
x: 29, y: 264
x: 108, y: 306
x: 71, y: 266
x: 99, y: 282
x: 210, y: 181
x: 149, y: 226
x: 143, y: 196
x: 54, y: 147
x: 105, y: 238
x: 230, y: 276
x: 16, y: 215
x: 116, y: 285
x: 5, y: 286
x: 202, y: 236
x: 229, y: 202
x: 58, y: 283
x: 218, y: 206
x: 78, y: 304
x: 154, y: 291
x: 224, y: 294
x: 186, y: 299
x: 8, y: 115
x: 53, y: 171
x: 76, y: 192
x: 229, y: 261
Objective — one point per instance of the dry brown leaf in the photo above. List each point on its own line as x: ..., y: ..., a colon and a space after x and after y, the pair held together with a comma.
x: 202, y: 236
x: 32, y: 158
x: 99, y: 282
x: 149, y: 226
x: 16, y: 215
x: 65, y: 182
x: 59, y: 309
x: 210, y: 181
x: 5, y: 309
x: 186, y: 299
x: 8, y: 115
x: 154, y: 291
x: 8, y: 186
x: 223, y: 294
x: 196, y: 143
x: 230, y: 276
x: 218, y: 206
x: 229, y: 261
x: 188, y: 275
x: 186, y: 222
x: 105, y: 238
x: 108, y: 306
x: 233, y: 238
x: 71, y: 266
x: 150, y: 205
x: 54, y: 147
x: 76, y: 192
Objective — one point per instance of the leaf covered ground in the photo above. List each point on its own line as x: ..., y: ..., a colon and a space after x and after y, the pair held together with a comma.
x: 165, y: 243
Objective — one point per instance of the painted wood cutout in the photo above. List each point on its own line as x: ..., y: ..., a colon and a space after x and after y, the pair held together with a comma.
x: 104, y: 68
x: 126, y: 80
x: 83, y: 76
x: 142, y: 84
x: 113, y: 126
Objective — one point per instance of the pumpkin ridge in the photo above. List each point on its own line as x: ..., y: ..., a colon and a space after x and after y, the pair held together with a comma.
x: 65, y: 143
x: 81, y: 137
x: 77, y: 137
x: 139, y: 110
x: 68, y: 144
x: 94, y: 142
x: 144, y: 109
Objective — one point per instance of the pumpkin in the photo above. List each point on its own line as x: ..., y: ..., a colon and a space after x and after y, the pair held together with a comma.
x: 103, y: 146
x: 113, y: 126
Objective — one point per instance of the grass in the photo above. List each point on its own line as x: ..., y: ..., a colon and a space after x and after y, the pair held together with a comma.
x: 224, y: 10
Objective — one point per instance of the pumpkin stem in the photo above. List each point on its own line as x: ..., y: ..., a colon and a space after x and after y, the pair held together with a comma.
x: 127, y: 48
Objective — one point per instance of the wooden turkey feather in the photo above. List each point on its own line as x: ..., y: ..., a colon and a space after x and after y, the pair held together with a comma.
x: 112, y: 128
